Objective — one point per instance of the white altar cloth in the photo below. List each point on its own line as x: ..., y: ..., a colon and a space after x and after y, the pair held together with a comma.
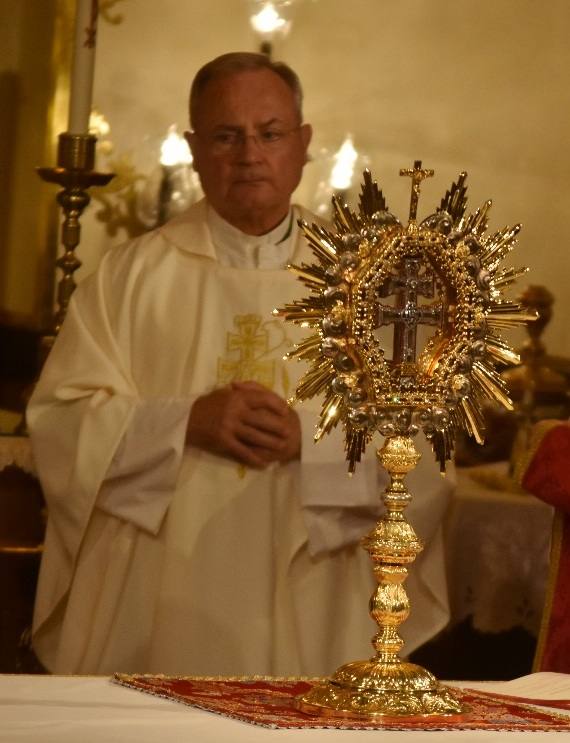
x: 91, y: 709
x: 497, y: 553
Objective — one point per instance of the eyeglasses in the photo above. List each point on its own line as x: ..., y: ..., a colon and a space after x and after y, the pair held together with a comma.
x: 228, y: 141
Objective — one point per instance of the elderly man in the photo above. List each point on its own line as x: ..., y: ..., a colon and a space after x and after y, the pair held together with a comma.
x: 193, y: 526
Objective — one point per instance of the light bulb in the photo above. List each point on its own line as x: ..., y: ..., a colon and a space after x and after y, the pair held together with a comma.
x: 343, y: 169
x: 267, y: 21
x: 174, y: 149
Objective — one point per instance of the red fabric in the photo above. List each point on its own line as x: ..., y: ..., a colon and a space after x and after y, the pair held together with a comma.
x: 548, y: 477
x: 270, y: 702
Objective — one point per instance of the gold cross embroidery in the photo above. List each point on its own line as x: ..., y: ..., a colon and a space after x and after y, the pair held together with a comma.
x: 250, y: 343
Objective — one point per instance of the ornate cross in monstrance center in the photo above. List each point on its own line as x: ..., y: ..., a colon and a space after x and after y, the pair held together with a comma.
x: 408, y: 285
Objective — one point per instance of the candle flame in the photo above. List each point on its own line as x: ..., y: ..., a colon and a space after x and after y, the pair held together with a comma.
x: 174, y: 149
x: 343, y: 169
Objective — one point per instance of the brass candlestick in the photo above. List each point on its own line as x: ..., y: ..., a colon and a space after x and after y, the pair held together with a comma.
x: 75, y: 172
x: 370, y: 273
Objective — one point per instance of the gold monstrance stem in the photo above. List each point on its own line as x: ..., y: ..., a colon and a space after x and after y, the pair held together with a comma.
x: 384, y: 684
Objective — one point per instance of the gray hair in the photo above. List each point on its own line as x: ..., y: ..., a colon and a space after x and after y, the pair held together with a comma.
x: 234, y: 62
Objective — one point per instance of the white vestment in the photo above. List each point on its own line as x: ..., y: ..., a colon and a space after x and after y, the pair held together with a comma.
x: 163, y: 558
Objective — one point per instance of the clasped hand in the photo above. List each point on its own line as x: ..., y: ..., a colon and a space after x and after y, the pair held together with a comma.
x: 247, y: 422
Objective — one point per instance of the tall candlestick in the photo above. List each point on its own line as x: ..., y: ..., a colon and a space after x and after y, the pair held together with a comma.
x: 83, y: 66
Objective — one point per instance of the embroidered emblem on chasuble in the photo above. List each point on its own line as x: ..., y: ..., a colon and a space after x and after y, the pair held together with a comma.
x: 253, y: 352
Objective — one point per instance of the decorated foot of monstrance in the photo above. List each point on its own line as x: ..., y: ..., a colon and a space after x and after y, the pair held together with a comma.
x: 371, y: 271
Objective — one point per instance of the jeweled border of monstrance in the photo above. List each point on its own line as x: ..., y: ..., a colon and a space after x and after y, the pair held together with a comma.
x: 368, y: 257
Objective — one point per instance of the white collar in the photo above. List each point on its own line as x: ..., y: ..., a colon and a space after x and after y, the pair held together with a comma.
x: 234, y: 248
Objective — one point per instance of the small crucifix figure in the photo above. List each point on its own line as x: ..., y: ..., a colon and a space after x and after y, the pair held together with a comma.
x: 408, y: 285
x: 417, y: 174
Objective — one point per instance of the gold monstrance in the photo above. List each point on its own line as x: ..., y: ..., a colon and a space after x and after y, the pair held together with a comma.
x: 440, y: 285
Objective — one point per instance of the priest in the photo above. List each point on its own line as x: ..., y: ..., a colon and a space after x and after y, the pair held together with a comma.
x: 194, y: 527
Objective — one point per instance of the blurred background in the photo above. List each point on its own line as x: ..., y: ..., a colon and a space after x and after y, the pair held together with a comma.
x: 481, y: 87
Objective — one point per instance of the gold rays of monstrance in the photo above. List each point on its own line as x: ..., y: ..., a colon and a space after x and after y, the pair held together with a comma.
x: 440, y: 285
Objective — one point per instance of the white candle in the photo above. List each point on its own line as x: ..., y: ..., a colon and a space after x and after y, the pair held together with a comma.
x: 83, y: 67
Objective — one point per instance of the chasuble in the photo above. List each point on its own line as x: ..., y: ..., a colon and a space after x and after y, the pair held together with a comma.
x: 163, y: 558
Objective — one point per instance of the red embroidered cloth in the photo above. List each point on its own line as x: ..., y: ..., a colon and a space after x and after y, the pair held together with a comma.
x: 269, y: 702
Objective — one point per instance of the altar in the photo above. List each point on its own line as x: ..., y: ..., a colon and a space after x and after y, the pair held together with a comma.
x: 92, y: 709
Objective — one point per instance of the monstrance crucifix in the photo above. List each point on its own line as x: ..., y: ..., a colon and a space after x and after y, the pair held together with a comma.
x: 408, y: 285
x: 368, y: 258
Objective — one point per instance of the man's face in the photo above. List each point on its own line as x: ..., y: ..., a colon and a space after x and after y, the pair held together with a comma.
x: 249, y: 148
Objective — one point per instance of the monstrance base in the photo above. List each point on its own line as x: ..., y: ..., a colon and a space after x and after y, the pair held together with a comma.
x: 371, y: 688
